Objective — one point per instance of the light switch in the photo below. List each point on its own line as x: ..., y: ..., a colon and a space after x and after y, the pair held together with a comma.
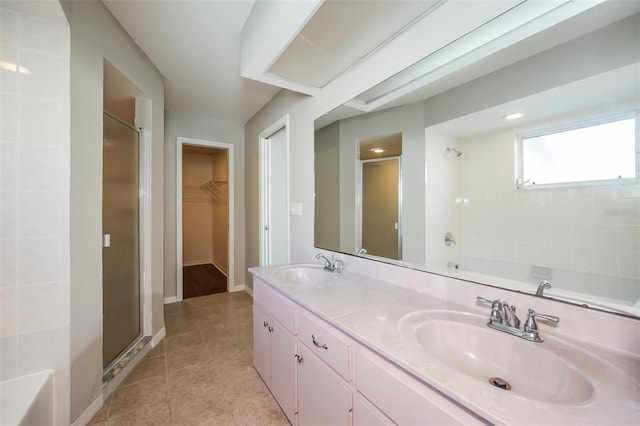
x: 106, y: 240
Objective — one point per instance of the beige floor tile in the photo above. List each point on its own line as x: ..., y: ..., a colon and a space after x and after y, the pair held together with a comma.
x: 260, y: 411
x: 146, y: 369
x: 181, y: 325
x: 129, y: 399
x: 192, y: 355
x: 159, y: 350
x: 151, y: 415
x: 182, y: 341
x: 209, y: 378
x: 191, y: 410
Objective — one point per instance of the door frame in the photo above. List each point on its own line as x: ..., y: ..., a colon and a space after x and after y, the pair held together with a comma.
x: 263, y: 176
x: 359, y: 200
x: 180, y: 142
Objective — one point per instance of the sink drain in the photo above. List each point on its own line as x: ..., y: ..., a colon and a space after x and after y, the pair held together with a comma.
x: 499, y: 382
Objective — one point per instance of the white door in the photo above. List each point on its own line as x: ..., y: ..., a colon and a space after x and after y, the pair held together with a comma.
x: 275, y: 199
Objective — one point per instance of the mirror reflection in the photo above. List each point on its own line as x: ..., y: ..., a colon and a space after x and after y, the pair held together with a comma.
x: 549, y: 196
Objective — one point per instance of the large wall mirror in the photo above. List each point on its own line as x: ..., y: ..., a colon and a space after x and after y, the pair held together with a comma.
x: 550, y: 194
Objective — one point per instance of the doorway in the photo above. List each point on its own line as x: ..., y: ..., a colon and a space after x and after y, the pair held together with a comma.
x: 204, y: 206
x: 380, y: 195
x: 274, y: 194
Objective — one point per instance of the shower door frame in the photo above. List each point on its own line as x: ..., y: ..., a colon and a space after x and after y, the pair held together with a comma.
x: 143, y: 323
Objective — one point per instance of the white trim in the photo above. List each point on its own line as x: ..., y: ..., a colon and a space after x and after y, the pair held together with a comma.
x: 91, y: 411
x: 249, y: 290
x: 157, y: 338
x: 180, y: 141
x: 263, y: 171
x: 237, y: 288
x: 143, y: 121
x: 198, y: 262
x: 169, y: 300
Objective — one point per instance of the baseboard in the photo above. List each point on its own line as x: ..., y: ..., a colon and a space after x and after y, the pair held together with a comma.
x: 236, y: 288
x: 220, y: 268
x: 248, y: 290
x: 91, y: 411
x: 157, y: 338
x: 172, y: 299
x: 197, y: 262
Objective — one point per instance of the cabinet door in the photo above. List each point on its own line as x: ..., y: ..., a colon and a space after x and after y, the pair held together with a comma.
x: 283, y: 369
x: 366, y: 414
x: 261, y: 346
x: 323, y: 397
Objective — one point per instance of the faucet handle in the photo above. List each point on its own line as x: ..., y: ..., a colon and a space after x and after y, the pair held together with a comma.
x: 338, y: 265
x: 531, y: 326
x: 496, y: 307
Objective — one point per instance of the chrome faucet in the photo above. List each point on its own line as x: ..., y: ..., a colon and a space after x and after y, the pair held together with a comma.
x: 503, y: 318
x: 361, y: 252
x: 333, y: 264
x: 510, y: 318
x: 543, y: 285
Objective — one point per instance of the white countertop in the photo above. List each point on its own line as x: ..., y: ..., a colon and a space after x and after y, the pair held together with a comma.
x: 370, y: 311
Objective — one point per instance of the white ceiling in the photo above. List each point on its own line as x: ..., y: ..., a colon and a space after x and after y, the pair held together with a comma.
x: 196, y: 47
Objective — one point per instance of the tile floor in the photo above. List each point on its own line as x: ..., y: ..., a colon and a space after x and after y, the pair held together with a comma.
x: 200, y: 374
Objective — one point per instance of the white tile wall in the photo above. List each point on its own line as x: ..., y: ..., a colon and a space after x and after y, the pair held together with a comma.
x: 34, y: 199
x: 589, y: 235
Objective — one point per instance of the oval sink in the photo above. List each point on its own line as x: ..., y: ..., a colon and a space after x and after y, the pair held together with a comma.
x: 464, y: 343
x: 310, y: 274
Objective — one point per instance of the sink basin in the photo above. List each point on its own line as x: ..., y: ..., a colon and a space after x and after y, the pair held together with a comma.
x: 304, y: 274
x: 540, y: 371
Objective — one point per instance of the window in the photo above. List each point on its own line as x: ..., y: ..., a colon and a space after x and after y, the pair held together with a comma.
x: 601, y: 152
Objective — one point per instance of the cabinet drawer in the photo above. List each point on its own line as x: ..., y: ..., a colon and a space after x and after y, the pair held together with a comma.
x: 405, y: 400
x: 279, y: 307
x: 327, y: 343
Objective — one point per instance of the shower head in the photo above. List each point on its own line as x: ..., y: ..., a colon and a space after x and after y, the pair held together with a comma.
x: 455, y: 151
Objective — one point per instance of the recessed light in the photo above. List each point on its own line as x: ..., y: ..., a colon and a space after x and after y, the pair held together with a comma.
x: 514, y: 116
x: 378, y: 150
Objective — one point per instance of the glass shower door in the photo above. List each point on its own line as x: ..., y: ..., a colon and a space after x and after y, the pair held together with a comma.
x: 120, y: 227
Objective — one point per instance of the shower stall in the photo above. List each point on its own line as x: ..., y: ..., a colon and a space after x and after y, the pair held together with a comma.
x: 121, y: 245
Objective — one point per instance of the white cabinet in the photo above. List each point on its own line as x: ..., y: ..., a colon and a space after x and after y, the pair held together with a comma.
x: 403, y: 399
x: 274, y: 347
x: 323, y: 396
x: 366, y: 414
x: 321, y: 376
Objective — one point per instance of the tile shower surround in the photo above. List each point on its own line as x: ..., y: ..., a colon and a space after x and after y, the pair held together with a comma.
x: 201, y: 373
x: 34, y: 199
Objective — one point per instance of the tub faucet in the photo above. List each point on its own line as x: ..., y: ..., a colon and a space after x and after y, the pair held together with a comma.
x: 543, y: 284
x: 333, y: 264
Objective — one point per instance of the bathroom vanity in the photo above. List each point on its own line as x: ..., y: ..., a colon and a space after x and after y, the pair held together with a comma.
x: 348, y: 349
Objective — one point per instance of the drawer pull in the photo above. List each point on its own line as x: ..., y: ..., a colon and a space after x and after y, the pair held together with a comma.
x: 320, y: 345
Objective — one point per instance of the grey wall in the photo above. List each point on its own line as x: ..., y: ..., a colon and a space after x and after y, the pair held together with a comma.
x: 189, y: 125
x: 95, y: 36
x: 408, y: 120
x: 327, y: 187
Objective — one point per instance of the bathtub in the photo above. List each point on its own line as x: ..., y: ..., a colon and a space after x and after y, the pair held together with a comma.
x: 27, y: 400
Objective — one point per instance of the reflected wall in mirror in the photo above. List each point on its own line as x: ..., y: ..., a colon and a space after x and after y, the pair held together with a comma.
x: 464, y: 172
